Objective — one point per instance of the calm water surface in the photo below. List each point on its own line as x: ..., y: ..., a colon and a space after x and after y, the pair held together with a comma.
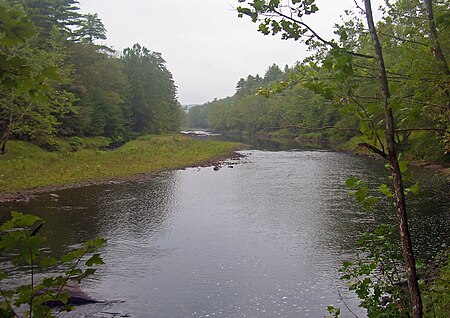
x: 262, y: 239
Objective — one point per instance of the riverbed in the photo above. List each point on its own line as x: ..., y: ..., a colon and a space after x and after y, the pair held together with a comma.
x: 263, y: 236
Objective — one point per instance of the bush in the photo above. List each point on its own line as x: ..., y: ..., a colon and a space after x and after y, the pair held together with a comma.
x: 20, y: 236
x: 75, y: 143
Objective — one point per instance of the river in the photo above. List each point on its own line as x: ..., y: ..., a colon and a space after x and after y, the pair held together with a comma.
x: 263, y: 236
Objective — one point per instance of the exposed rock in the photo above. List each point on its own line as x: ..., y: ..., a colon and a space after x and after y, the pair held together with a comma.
x: 77, y: 297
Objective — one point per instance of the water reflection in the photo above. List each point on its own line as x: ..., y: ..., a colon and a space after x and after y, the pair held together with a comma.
x: 263, y: 239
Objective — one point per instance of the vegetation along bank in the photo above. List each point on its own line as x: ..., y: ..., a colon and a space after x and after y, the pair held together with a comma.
x: 26, y: 166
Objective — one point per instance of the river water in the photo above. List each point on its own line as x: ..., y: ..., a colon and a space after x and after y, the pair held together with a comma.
x: 263, y: 236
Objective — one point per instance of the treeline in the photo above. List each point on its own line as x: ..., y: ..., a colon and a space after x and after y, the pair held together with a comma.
x: 334, y: 94
x: 56, y: 81
x: 250, y: 110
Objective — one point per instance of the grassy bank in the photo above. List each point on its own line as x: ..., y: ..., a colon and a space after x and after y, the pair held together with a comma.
x: 26, y: 166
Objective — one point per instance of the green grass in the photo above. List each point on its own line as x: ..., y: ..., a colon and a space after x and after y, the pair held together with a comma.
x: 26, y: 166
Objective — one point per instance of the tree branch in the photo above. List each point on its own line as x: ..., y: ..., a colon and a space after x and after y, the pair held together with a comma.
x: 315, y: 128
x: 403, y: 40
x: 421, y: 129
x: 373, y: 149
x: 318, y: 37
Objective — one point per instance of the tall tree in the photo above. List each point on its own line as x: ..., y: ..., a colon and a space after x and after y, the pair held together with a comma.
x: 46, y: 14
x: 352, y: 60
x: 152, y: 103
x: 397, y: 178
x: 100, y: 85
x: 91, y: 28
x: 30, y: 89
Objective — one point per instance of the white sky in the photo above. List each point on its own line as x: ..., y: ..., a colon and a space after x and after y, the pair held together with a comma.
x: 206, y: 46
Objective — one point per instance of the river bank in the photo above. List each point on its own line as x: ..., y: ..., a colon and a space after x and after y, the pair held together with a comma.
x: 316, y: 141
x: 27, y: 169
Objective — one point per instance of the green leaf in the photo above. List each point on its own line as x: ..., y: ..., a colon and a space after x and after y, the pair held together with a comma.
x: 48, y: 282
x: 370, y: 201
x: 361, y: 194
x: 94, y: 244
x: 33, y: 242
x: 64, y: 297
x: 47, y: 262
x: 8, y: 242
x: 346, y: 264
x: 386, y: 190
x: 72, y: 255
x: 19, y: 220
x: 95, y: 259
x: 8, y: 293
x: 263, y: 29
x: 403, y: 166
x: 352, y: 182
x: 245, y: 11
x: 86, y: 273
x: 415, y: 188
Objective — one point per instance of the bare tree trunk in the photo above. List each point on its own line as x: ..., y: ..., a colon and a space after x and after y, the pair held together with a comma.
x: 434, y: 36
x: 402, y: 219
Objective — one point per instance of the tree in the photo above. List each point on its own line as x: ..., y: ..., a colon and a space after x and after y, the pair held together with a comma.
x: 100, y: 85
x: 30, y: 96
x: 22, y: 80
x: 350, y: 60
x: 46, y: 14
x: 152, y: 104
x: 91, y: 28
x: 397, y: 179
x: 274, y: 74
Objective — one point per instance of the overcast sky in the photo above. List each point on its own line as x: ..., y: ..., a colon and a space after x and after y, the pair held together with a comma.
x: 206, y: 46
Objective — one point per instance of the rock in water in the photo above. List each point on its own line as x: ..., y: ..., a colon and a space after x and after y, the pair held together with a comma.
x: 77, y: 297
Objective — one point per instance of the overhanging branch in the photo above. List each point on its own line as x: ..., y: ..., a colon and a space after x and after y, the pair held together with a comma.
x: 318, y: 37
x: 373, y: 149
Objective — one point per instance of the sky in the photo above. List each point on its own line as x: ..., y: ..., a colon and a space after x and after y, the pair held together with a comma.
x: 206, y: 46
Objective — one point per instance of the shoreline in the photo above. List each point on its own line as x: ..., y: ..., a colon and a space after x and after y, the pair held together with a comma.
x: 29, y: 194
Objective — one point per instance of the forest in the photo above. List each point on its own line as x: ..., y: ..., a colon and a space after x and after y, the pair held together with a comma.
x: 333, y: 95
x: 383, y: 87
x: 57, y: 81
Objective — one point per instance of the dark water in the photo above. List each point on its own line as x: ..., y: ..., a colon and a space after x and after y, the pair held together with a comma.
x: 262, y: 239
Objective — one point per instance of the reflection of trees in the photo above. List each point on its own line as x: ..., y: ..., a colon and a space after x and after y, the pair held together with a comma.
x: 304, y: 195
x: 133, y: 210
x: 70, y: 219
x: 274, y: 144
x: 137, y: 210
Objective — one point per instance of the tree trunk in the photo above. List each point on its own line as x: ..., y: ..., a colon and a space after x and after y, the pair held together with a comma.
x: 5, y: 138
x: 434, y: 37
x: 436, y: 45
x: 397, y: 181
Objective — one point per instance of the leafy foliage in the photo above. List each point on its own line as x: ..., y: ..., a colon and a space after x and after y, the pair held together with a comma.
x: 153, y: 107
x: 436, y: 287
x: 343, y: 72
x: 20, y: 237
x: 377, y: 275
x: 54, y: 81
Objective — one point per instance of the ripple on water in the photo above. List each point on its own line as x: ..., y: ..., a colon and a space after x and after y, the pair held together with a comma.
x: 264, y: 239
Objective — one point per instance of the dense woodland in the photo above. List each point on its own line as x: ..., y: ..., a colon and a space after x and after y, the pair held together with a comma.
x: 384, y: 86
x: 56, y: 80
x: 334, y: 94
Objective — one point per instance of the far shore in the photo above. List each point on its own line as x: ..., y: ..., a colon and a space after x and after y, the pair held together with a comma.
x: 30, y: 171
